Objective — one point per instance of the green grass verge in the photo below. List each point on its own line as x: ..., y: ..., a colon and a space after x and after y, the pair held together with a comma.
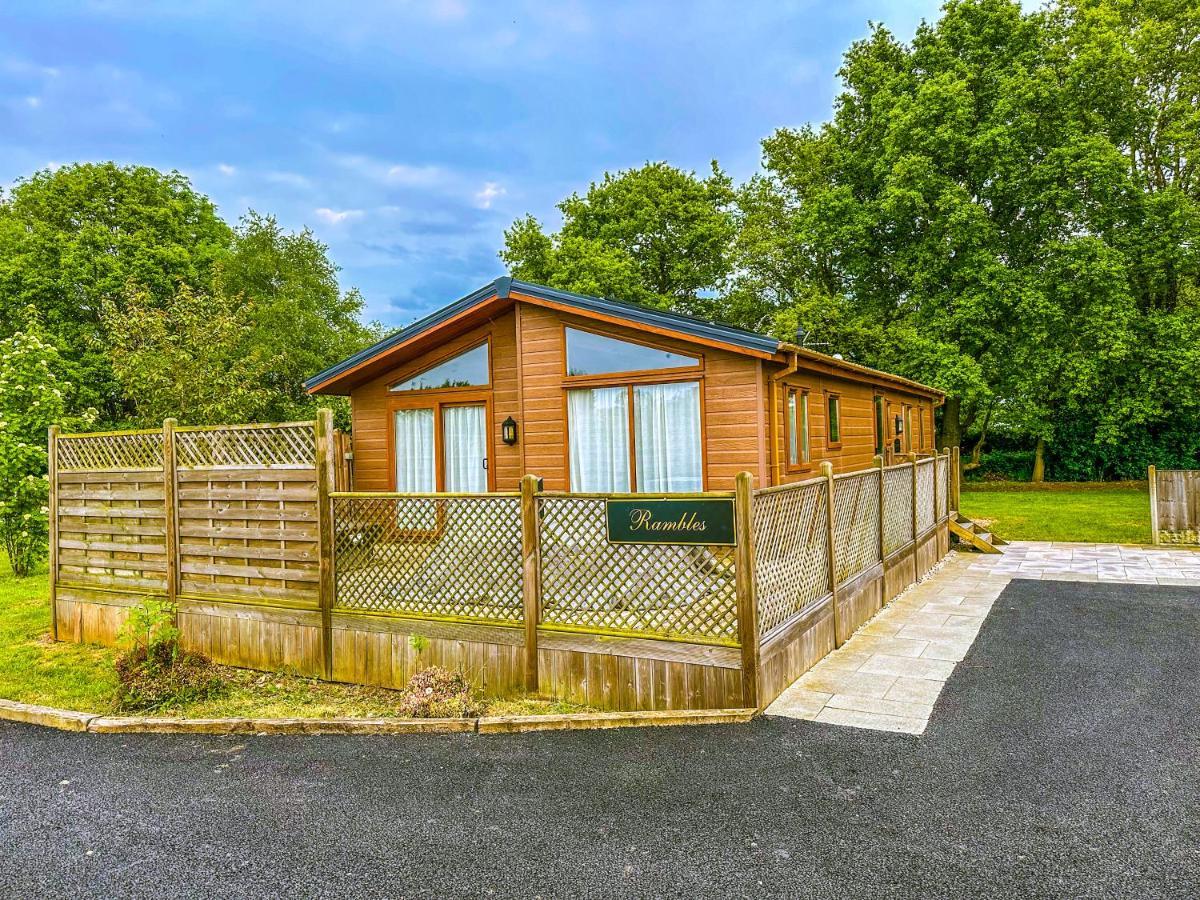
x: 34, y: 669
x: 1104, y: 512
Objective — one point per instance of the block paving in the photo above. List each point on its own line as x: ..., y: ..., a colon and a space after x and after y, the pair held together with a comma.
x: 889, y: 675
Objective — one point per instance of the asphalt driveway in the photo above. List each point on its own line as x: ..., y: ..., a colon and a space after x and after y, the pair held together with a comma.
x: 1061, y: 760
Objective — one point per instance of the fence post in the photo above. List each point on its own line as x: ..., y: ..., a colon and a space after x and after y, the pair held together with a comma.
x: 325, y: 479
x: 171, y: 514
x: 827, y: 471
x: 52, y: 503
x: 531, y: 576
x: 955, y: 476
x: 1152, y: 477
x: 747, y: 587
x: 878, y: 463
x: 913, y: 457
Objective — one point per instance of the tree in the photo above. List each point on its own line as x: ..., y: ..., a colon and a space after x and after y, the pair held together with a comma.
x: 71, y: 239
x: 32, y: 397
x: 193, y: 358
x: 297, y: 315
x: 656, y: 235
x: 1005, y: 208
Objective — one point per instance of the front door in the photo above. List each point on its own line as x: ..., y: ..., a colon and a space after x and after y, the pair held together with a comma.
x: 441, y: 447
x: 464, y: 448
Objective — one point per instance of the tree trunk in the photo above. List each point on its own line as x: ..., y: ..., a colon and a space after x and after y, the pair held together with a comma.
x: 1039, y: 461
x: 951, y: 424
x: 977, y: 450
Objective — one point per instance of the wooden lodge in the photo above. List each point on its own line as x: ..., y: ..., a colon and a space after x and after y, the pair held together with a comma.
x: 596, y: 395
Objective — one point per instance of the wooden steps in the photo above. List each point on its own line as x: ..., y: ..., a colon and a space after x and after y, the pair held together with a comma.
x: 967, y: 532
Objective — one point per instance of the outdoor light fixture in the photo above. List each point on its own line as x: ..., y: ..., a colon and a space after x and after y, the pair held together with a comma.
x: 508, y: 431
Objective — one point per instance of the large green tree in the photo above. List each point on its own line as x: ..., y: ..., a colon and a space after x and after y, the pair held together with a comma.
x: 1004, y: 207
x: 122, y: 263
x: 656, y: 235
x: 72, y: 238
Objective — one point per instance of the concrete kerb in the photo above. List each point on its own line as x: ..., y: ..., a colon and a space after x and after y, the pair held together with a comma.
x: 71, y: 720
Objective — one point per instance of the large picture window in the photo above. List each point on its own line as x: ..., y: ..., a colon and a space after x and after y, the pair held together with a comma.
x: 658, y: 451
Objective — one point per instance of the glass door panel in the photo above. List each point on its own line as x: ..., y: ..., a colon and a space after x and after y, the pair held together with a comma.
x: 464, y: 448
x: 416, y: 470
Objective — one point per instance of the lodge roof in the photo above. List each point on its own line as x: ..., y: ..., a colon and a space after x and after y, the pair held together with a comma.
x: 334, y: 379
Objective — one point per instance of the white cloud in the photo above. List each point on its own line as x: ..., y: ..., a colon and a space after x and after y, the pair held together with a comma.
x: 33, y: 102
x: 487, y: 194
x: 337, y: 216
x: 291, y: 179
x: 226, y: 169
x: 414, y: 176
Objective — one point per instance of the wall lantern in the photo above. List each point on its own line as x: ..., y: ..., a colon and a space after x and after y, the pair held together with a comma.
x: 508, y: 431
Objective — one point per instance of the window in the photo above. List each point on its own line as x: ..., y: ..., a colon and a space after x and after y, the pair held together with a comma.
x: 467, y: 369
x: 441, y: 447
x: 661, y: 455
x: 595, y: 354
x: 796, y: 426
x: 908, y: 429
x: 834, y: 403
x: 879, y: 425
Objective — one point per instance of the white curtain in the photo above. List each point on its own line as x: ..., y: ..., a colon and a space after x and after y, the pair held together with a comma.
x: 667, y: 437
x: 598, y: 435
x: 415, y: 468
x: 464, y: 434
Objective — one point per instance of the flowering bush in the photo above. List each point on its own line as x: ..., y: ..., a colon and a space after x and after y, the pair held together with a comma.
x: 31, y: 399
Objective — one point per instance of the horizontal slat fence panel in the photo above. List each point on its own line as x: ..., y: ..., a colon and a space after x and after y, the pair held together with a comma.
x: 110, y: 531
x: 247, y: 513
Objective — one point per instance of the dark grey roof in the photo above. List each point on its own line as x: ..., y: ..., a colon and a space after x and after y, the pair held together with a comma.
x: 501, y: 287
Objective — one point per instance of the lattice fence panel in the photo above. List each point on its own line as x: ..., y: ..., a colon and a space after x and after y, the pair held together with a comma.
x: 133, y: 450
x: 657, y: 589
x: 897, y: 508
x: 427, y: 556
x: 855, y: 524
x: 942, y: 486
x: 265, y: 445
x: 925, y: 496
x: 791, y: 552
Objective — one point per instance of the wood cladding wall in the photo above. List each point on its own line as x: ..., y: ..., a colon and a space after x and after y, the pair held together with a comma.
x: 856, y: 401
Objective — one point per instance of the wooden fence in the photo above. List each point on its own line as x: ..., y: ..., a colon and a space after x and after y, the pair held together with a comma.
x: 272, y: 566
x: 1175, y: 505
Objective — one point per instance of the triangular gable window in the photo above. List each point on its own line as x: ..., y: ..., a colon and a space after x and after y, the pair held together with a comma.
x: 468, y: 369
x: 595, y: 354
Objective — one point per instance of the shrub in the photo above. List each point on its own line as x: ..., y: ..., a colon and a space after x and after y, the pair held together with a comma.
x: 153, y: 672
x: 1002, y: 465
x: 436, y: 693
x: 31, y: 399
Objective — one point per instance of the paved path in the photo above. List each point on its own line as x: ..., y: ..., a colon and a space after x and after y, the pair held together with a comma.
x: 890, y: 673
x: 1060, y: 761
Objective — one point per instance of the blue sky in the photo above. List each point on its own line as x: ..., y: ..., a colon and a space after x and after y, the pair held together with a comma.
x: 408, y: 135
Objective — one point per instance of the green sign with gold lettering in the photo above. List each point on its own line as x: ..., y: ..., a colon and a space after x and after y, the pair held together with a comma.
x: 670, y: 521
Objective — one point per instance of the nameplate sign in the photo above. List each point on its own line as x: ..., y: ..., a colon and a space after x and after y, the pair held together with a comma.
x: 670, y: 521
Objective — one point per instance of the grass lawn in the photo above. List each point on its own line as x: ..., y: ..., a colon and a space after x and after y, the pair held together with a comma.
x: 1105, y: 512
x: 34, y: 669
